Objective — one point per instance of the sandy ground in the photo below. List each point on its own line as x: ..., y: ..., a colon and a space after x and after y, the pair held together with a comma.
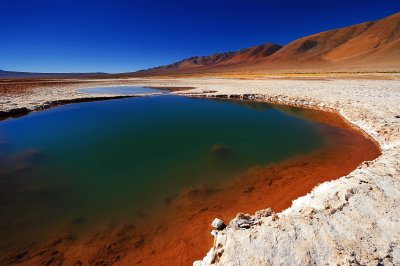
x: 352, y: 220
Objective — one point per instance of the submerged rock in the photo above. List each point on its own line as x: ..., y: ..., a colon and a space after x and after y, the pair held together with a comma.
x: 78, y: 221
x: 221, y: 151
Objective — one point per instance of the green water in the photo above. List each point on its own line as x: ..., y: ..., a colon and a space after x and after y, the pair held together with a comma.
x: 94, y: 162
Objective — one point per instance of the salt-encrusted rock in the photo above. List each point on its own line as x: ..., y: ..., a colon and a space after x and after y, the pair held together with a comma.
x: 264, y: 213
x: 198, y: 263
x: 218, y: 224
x: 243, y: 221
x: 220, y: 240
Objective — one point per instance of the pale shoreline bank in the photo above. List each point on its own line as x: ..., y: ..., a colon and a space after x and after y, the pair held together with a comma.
x: 352, y: 219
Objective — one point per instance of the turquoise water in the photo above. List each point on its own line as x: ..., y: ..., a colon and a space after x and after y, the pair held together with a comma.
x: 115, y: 159
x: 122, y: 90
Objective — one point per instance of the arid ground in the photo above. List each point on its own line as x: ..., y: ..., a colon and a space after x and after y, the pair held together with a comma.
x: 368, y: 101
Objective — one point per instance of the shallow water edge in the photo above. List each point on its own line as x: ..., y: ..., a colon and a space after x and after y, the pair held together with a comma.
x: 288, y: 102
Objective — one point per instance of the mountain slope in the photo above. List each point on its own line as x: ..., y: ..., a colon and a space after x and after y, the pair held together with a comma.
x: 252, y: 54
x: 364, y: 45
x: 369, y: 46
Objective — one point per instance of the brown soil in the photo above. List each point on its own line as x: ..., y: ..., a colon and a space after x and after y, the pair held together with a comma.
x: 181, y: 234
x: 26, y: 86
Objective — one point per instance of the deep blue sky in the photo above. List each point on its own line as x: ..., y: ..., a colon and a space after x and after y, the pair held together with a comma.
x: 122, y: 35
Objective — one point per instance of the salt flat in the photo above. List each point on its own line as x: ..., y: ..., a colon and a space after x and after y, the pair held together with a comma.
x: 352, y: 220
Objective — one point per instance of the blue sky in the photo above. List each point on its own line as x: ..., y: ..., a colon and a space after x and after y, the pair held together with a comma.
x: 121, y: 35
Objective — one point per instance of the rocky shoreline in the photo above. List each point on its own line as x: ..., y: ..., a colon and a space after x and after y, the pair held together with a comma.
x: 18, y: 112
x: 352, y: 220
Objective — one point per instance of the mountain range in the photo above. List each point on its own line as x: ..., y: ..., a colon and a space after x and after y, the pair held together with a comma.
x: 27, y: 75
x: 369, y: 46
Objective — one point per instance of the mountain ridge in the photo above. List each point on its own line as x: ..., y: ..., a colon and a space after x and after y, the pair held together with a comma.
x: 369, y: 46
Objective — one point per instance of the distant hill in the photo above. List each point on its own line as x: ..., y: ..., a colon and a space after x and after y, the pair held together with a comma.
x: 23, y: 75
x: 369, y: 46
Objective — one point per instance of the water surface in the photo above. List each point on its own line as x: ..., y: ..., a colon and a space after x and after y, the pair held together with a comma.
x: 123, y: 90
x: 103, y: 162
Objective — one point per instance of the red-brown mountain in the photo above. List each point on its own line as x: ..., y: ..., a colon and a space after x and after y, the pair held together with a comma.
x: 369, y: 46
x: 251, y: 54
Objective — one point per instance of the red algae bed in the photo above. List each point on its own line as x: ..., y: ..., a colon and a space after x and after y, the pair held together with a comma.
x: 179, y: 233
